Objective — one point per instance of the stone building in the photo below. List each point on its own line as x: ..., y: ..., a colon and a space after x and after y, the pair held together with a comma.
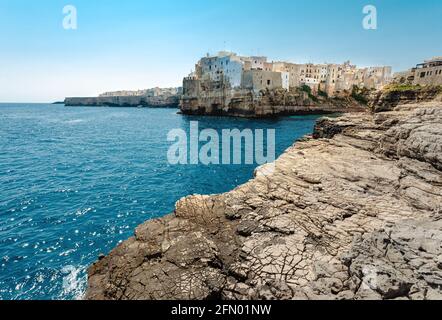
x: 236, y: 72
x: 255, y: 63
x: 376, y: 77
x: 258, y: 80
x: 405, y: 77
x: 191, y: 86
x: 152, y: 92
x: 429, y: 72
x: 329, y: 84
x: 233, y: 72
x: 311, y: 76
x: 294, y: 71
x: 336, y: 78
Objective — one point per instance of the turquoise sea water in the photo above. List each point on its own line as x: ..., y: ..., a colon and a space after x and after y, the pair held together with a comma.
x: 74, y: 182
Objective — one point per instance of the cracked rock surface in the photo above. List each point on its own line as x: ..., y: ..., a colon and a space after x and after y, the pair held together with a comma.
x: 354, y: 212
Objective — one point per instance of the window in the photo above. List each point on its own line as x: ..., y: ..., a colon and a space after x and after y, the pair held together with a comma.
x: 268, y: 82
x: 422, y: 74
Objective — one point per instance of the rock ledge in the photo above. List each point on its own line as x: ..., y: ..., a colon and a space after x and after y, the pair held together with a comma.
x: 354, y: 212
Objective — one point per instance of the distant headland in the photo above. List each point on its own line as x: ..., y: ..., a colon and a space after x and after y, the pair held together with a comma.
x: 148, y: 98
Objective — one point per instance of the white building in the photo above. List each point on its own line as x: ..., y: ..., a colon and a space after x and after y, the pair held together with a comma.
x: 224, y: 66
x: 255, y: 63
x: 331, y: 78
x: 285, y: 80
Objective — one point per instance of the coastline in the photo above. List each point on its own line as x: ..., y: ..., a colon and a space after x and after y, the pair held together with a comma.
x: 264, y: 117
x: 302, y: 112
x: 100, y: 155
x: 270, y: 104
x: 308, y: 231
x: 214, y: 159
x: 124, y: 101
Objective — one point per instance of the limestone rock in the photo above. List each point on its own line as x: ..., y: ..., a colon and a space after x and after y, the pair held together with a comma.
x: 353, y: 213
x: 268, y: 103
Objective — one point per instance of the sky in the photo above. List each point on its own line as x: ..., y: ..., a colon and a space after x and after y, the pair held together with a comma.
x: 138, y: 44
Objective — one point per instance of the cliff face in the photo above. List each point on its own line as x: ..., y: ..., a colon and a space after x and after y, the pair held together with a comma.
x: 269, y: 103
x: 354, y: 212
x: 404, y: 94
x: 125, y: 101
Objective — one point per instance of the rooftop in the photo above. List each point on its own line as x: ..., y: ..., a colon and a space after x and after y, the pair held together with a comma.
x: 434, y: 59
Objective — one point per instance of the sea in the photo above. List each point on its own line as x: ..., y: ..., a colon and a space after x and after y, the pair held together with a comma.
x: 75, y: 182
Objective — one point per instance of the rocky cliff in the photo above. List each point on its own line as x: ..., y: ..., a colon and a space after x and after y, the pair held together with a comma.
x: 395, y: 95
x: 125, y: 101
x: 268, y: 103
x: 354, y: 212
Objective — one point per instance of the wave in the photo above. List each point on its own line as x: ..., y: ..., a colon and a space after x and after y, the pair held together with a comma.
x: 74, y: 121
x: 74, y: 282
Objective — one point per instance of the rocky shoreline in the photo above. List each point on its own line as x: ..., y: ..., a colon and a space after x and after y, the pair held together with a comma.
x: 268, y: 104
x: 125, y: 101
x: 352, y: 212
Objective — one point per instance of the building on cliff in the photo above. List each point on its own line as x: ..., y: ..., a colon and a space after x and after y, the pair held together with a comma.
x: 226, y: 66
x: 293, y: 69
x: 230, y: 79
x: 257, y: 73
x: 256, y: 63
x: 403, y: 76
x: 428, y: 73
x: 153, y: 92
x: 335, y: 78
x: 258, y: 80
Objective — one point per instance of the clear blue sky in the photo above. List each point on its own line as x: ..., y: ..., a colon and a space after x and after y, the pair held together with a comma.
x: 137, y: 44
